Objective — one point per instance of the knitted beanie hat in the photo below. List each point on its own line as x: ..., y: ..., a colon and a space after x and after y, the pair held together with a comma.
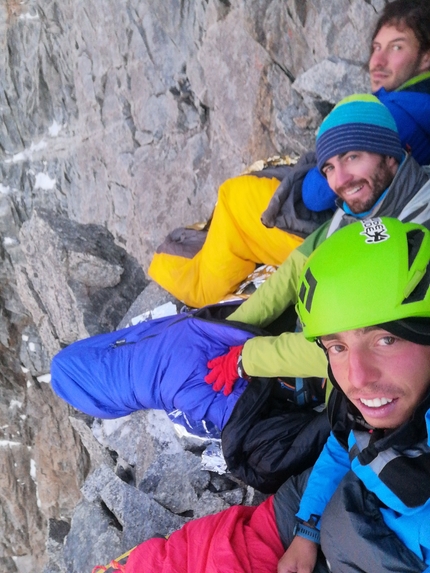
x: 358, y: 123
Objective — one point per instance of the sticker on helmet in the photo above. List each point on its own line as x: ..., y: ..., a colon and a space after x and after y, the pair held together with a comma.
x: 374, y: 230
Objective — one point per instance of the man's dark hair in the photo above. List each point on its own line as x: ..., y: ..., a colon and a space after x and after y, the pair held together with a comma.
x: 413, y: 14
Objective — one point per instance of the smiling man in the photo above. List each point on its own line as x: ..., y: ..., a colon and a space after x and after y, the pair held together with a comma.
x: 358, y: 177
x: 399, y: 72
x: 386, y: 387
x: 371, y: 484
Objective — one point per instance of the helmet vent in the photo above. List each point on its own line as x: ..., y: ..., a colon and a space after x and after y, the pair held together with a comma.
x: 420, y: 291
x: 415, y: 239
x: 307, y: 290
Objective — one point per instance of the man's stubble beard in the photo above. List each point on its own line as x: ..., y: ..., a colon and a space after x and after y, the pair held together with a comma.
x: 378, y: 183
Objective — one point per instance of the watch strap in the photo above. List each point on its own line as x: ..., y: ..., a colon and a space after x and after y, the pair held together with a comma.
x: 311, y: 533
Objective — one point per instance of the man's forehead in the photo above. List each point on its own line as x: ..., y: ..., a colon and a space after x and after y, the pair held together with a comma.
x: 357, y: 332
x: 395, y: 32
x: 340, y: 156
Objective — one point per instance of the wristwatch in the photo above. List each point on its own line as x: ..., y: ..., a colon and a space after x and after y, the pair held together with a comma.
x: 307, y: 532
x: 241, y: 370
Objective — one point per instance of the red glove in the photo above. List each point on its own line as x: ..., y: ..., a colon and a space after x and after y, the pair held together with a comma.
x: 224, y: 370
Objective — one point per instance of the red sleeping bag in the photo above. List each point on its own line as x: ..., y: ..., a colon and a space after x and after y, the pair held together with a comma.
x: 240, y: 539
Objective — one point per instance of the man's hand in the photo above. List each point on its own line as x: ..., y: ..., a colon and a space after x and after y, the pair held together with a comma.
x: 300, y: 557
x: 224, y: 370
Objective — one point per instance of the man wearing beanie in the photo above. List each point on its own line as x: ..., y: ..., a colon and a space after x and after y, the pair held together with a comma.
x: 358, y: 122
x: 365, y: 505
x: 368, y: 183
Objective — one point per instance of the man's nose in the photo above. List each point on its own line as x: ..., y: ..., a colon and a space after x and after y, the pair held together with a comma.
x: 361, y: 369
x: 341, y: 178
x: 378, y: 59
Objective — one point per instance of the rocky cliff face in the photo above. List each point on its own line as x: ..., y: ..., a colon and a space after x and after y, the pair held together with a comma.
x: 119, y: 121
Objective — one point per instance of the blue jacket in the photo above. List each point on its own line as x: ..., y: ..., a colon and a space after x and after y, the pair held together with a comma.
x: 394, y: 469
x: 410, y: 107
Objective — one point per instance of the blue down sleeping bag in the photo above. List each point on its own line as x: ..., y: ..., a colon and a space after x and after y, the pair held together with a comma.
x: 158, y: 364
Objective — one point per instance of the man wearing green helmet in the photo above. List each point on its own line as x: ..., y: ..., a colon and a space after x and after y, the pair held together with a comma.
x: 371, y: 483
x: 365, y: 506
x: 359, y: 152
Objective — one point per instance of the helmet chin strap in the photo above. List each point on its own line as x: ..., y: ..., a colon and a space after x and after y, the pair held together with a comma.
x: 330, y: 371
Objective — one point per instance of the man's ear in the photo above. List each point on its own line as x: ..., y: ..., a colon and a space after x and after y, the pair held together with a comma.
x: 425, y: 62
x: 392, y: 163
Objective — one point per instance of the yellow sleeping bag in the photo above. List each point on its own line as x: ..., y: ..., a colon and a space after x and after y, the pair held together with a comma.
x: 236, y: 242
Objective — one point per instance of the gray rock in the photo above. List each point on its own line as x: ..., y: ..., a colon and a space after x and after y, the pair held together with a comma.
x: 60, y: 462
x: 170, y: 474
x: 254, y: 497
x: 140, y: 516
x: 57, y: 532
x: 208, y: 504
x: 139, y: 438
x: 33, y: 355
x: 56, y: 285
x: 96, y: 482
x: 152, y: 297
x: 94, y: 538
x: 93, y: 271
x: 330, y: 81
x: 233, y: 496
x: 99, y: 456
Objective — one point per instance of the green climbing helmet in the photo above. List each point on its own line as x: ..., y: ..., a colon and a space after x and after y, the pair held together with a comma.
x: 369, y: 273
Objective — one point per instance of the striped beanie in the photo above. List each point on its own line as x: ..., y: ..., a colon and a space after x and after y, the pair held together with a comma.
x: 358, y: 123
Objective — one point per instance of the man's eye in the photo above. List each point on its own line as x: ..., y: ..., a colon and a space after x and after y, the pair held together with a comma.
x: 336, y: 349
x: 397, y: 47
x: 387, y: 340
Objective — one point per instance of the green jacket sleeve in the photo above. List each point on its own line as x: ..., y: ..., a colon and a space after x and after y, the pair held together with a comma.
x: 274, y: 296
x: 289, y: 354
x: 280, y: 291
